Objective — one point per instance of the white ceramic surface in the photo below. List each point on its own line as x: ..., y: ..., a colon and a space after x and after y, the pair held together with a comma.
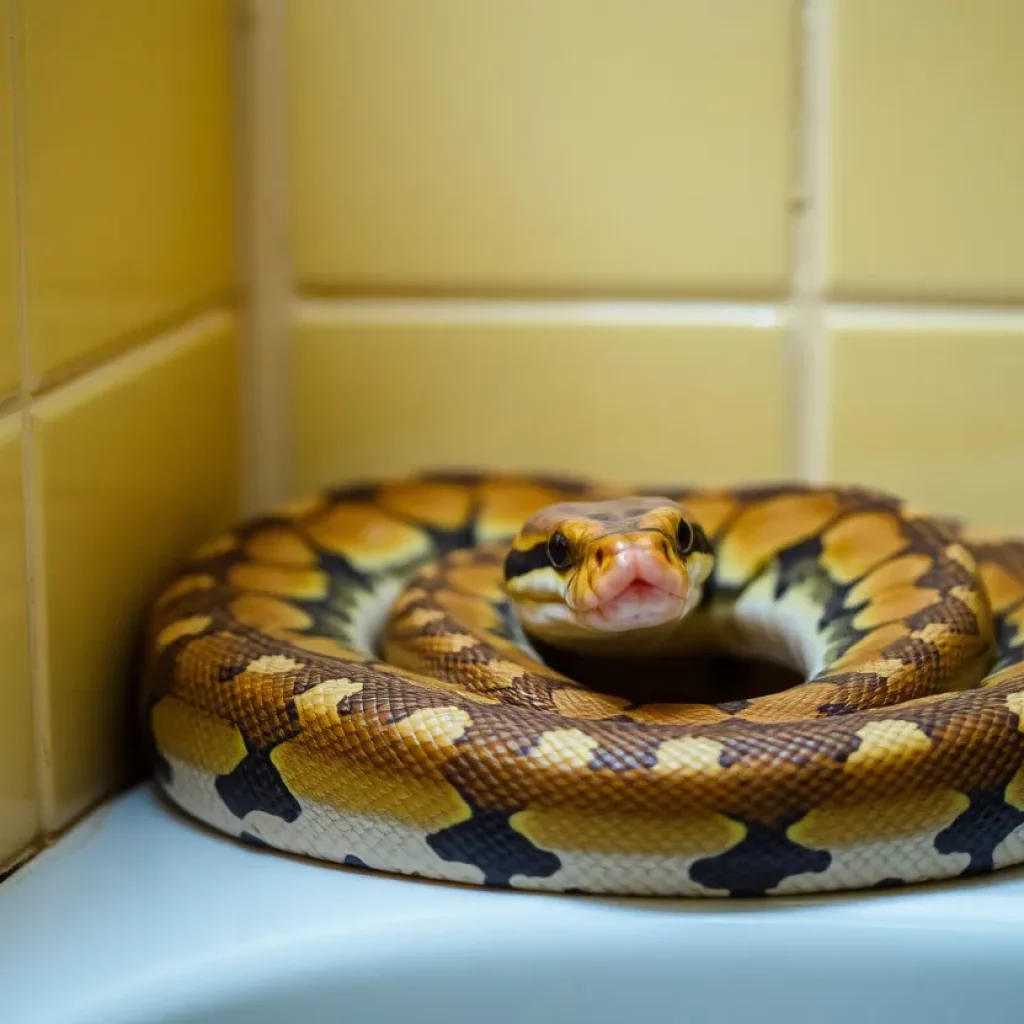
x: 140, y: 916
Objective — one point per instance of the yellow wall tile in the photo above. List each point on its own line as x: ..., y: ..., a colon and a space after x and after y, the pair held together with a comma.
x: 928, y: 153
x: 19, y: 817
x: 10, y: 361
x: 647, y: 403
x: 537, y: 147
x: 138, y: 462
x: 127, y: 146
x: 934, y: 415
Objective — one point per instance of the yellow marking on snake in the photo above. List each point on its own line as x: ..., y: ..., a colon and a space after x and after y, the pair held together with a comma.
x: 446, y: 506
x: 693, y: 755
x: 218, y: 546
x: 186, y: 585
x: 186, y: 733
x: 761, y: 529
x: 183, y: 627
x: 278, y: 545
x: 367, y: 537
x: 858, y: 543
x: 266, y: 612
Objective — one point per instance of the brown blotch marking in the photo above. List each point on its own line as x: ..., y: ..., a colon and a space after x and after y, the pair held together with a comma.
x: 712, y: 511
x: 797, y: 703
x: 762, y: 529
x: 897, y: 573
x: 196, y: 737
x: 586, y: 705
x: 368, y: 537
x: 1014, y: 793
x: 266, y: 613
x: 896, y: 604
x: 859, y: 542
x: 301, y: 584
x: 278, y: 545
x: 435, y: 685
x: 253, y: 692
x: 678, y: 714
x: 446, y: 506
x: 186, y: 585
x: 396, y: 776
x: 181, y: 627
x: 1003, y: 588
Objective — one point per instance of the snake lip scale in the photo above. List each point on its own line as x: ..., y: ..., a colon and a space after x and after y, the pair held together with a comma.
x: 355, y: 677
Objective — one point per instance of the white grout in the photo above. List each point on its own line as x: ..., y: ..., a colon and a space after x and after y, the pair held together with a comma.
x: 812, y: 355
x: 447, y: 310
x: 134, y: 361
x: 38, y: 644
x: 262, y: 176
x: 921, y: 317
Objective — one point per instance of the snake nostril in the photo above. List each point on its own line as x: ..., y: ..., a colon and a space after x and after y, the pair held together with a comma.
x: 599, y: 557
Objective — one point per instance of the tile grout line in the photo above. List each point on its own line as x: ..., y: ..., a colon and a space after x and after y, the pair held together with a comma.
x: 31, y: 505
x: 738, y: 312
x: 266, y: 332
x: 200, y: 324
x: 812, y: 410
x: 755, y: 314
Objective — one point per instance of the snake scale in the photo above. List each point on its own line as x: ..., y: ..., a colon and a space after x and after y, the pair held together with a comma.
x: 358, y: 678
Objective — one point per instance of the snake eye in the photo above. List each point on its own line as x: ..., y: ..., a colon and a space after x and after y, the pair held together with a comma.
x: 684, y: 536
x: 558, y: 551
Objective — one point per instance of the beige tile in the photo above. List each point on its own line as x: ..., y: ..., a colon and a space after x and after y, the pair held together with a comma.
x: 537, y: 147
x: 127, y: 148
x: 10, y: 361
x: 934, y: 415
x: 927, y: 158
x: 19, y: 816
x: 640, y: 402
x: 138, y: 462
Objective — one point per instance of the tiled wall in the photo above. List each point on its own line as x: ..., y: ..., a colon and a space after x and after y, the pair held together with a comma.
x: 118, y: 369
x: 676, y: 240
x: 686, y: 240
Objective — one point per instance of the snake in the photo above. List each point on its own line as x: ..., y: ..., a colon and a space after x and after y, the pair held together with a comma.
x: 390, y: 675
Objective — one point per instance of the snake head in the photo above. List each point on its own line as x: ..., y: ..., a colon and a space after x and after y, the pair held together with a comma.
x: 578, y: 571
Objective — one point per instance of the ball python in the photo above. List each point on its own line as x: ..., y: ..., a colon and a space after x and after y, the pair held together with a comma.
x: 358, y: 677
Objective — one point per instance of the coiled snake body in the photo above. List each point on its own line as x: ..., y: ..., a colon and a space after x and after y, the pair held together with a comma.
x: 349, y: 678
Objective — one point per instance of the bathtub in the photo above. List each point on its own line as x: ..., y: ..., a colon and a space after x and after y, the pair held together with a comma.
x: 141, y: 916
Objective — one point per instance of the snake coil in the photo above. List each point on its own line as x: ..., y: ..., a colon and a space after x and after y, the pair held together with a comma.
x: 342, y: 678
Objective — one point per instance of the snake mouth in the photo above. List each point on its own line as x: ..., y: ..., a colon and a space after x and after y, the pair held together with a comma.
x: 640, y: 604
x: 636, y: 589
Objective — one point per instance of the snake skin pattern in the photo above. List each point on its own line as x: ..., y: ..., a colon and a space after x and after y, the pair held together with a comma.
x: 448, y: 751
